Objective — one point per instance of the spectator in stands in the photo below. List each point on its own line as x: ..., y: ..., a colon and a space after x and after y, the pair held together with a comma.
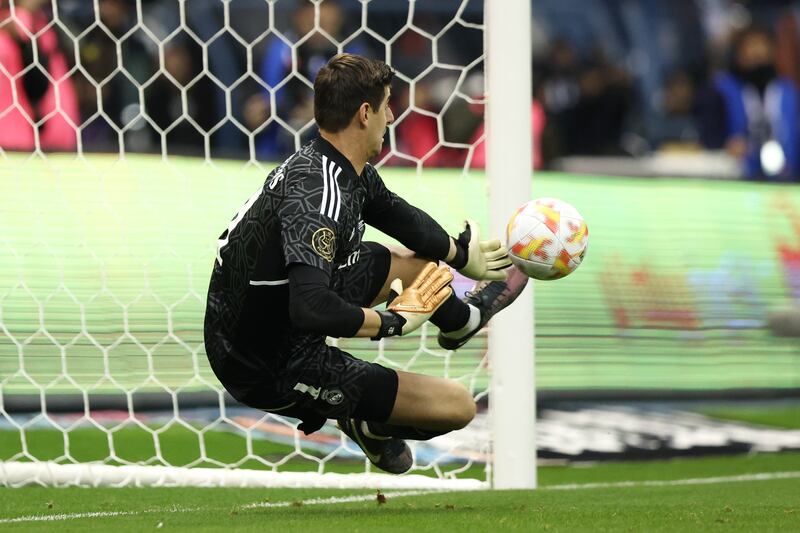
x: 676, y: 126
x: 538, y: 121
x: 752, y: 112
x: 418, y: 135
x: 164, y: 101
x: 606, y: 100
x: 42, y: 102
x: 787, y: 45
x: 98, y: 57
x: 555, y: 84
x: 464, y: 123
x: 587, y: 102
x: 293, y: 100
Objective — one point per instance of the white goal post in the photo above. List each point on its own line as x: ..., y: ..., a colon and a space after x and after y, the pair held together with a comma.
x: 105, y: 257
x: 509, y: 166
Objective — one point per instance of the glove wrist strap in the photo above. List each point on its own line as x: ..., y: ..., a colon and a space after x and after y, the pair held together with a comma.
x: 460, y: 260
x: 391, y: 324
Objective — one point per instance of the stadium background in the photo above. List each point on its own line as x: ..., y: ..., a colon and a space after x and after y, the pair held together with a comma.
x: 682, y: 277
x: 107, y: 231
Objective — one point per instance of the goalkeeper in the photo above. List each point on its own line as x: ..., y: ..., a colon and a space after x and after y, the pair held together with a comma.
x: 291, y: 269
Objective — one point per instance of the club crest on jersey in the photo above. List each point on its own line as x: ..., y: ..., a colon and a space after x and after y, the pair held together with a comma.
x: 333, y: 397
x: 323, y: 241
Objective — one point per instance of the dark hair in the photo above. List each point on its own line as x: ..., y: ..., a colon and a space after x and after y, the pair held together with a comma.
x: 346, y: 82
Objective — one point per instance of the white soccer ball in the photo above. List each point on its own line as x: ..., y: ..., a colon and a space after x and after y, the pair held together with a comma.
x: 547, y: 238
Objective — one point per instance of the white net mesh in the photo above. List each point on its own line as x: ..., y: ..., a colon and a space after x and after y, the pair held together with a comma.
x: 105, y: 258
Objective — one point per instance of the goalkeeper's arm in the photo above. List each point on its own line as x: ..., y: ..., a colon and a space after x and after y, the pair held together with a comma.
x: 418, y: 231
x: 313, y: 306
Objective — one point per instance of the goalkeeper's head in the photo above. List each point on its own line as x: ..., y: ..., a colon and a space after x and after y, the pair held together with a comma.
x: 351, y: 96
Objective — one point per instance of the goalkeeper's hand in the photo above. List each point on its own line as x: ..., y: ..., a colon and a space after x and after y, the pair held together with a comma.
x: 408, y: 309
x: 479, y: 260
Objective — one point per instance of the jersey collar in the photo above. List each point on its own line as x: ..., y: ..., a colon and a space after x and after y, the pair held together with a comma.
x: 330, y: 150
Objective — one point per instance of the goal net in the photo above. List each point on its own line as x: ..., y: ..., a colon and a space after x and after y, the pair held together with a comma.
x: 132, y: 132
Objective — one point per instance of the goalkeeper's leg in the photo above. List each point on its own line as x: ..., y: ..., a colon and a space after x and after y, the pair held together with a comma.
x: 424, y: 407
x: 417, y: 407
x: 452, y: 315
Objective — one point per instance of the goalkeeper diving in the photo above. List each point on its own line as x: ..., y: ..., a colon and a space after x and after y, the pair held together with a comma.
x: 292, y: 269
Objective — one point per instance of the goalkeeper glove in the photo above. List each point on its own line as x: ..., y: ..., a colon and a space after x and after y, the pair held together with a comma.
x: 408, y: 309
x: 479, y: 260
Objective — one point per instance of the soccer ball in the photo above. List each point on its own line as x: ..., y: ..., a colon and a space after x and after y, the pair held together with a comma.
x: 547, y: 238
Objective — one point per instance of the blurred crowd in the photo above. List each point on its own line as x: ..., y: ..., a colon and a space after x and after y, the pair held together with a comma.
x: 621, y: 78
x: 634, y: 77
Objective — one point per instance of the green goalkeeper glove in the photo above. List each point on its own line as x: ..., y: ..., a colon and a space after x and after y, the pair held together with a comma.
x: 479, y: 260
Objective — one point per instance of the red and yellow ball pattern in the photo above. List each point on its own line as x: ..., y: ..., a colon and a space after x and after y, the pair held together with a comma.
x: 547, y: 238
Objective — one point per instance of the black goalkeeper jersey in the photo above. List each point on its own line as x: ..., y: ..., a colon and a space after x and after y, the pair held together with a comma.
x: 310, y: 210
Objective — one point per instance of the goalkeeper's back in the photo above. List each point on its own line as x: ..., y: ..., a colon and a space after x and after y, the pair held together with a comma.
x: 247, y: 317
x: 308, y: 212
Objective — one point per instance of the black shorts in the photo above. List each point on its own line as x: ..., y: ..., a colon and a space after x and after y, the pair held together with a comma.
x: 320, y: 381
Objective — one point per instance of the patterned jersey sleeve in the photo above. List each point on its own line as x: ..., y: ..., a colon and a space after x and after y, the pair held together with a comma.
x: 413, y: 227
x: 308, y: 215
x: 379, y: 197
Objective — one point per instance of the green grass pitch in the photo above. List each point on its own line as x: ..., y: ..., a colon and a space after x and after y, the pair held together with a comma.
x: 733, y: 502
x: 759, y: 492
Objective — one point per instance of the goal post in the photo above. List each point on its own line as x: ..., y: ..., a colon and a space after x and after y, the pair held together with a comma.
x: 509, y: 166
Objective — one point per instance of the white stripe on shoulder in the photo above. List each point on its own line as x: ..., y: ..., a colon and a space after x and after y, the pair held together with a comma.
x: 334, y: 191
x: 338, y: 193
x: 269, y: 282
x: 324, y: 184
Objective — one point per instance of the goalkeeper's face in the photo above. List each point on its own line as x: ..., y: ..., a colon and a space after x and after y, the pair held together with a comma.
x: 378, y: 122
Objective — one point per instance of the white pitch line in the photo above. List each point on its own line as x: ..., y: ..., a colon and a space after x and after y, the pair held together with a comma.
x: 676, y: 482
x: 72, y: 516
x: 342, y: 499
x: 367, y: 497
x: 176, y: 509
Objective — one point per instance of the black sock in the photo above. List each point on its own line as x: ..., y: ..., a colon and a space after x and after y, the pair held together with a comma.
x: 453, y: 314
x: 382, y: 429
